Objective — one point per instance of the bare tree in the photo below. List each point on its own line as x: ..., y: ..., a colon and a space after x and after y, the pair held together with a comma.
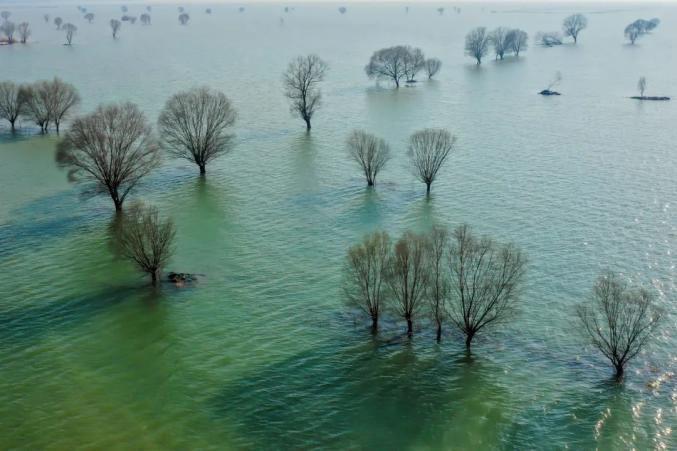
x: 12, y: 102
x: 619, y: 320
x: 499, y: 38
x: 485, y: 279
x: 184, y: 18
x: 477, y: 43
x: 46, y: 17
x: 124, y: 8
x: 58, y: 21
x: 548, y: 39
x: 301, y: 85
x: 63, y: 97
x: 653, y: 23
x: 432, y: 67
x: 518, y: 40
x: 641, y: 86
x: 343, y: 9
x: 5, y: 15
x: 89, y: 17
x: 407, y: 277
x: 365, y: 275
x: 440, y: 10
x: 24, y: 32
x: 632, y: 32
x: 147, y: 240
x: 437, y: 286
x: 413, y: 64
x: 37, y: 98
x: 115, y: 27
x: 8, y: 29
x: 389, y: 64
x: 370, y: 152
x: 428, y: 150
x: 113, y: 147
x: 195, y: 125
x: 573, y: 25
x: 145, y: 19
x: 70, y: 31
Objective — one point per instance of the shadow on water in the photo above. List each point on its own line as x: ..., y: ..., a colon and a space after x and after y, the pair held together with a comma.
x: 369, y: 396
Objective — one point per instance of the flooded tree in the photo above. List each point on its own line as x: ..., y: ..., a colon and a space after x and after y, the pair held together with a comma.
x: 24, y: 30
x: 392, y: 63
x: 8, y: 28
x: 437, y: 286
x: 641, y: 86
x: 195, y: 125
x: 428, y: 150
x: 485, y: 280
x: 37, y: 100
x: 414, y: 62
x: 12, y: 102
x: 499, y: 38
x: 147, y: 240
x: 70, y: 31
x: 50, y: 101
x: 58, y: 21
x: 619, y: 320
x: 633, y: 31
x: 89, y: 17
x: 573, y: 25
x: 113, y: 148
x: 184, y: 18
x: 115, y: 27
x: 440, y: 10
x: 477, y: 44
x: 46, y: 17
x: 145, y: 19
x: 343, y: 9
x: 518, y: 40
x: 5, y: 15
x: 548, y: 39
x: 370, y: 152
x: 407, y: 277
x: 432, y: 67
x: 365, y: 275
x: 301, y: 85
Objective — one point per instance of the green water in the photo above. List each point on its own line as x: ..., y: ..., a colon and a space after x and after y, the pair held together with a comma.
x: 262, y: 353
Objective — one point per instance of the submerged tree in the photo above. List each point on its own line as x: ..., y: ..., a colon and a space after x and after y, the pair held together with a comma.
x: 499, y: 38
x: 147, y: 240
x: 619, y: 321
x: 115, y: 27
x: 301, y: 85
x: 365, y: 275
x: 437, y: 286
x: 46, y: 17
x: 195, y: 124
x: 113, y: 147
x: 414, y: 62
x: 24, y: 30
x: 343, y: 9
x: 432, y: 67
x: 70, y: 31
x: 184, y: 18
x: 5, y: 15
x: 428, y: 150
x: 389, y: 64
x: 573, y: 25
x: 37, y: 99
x: 50, y: 101
x: 485, y: 278
x: 641, y: 86
x: 633, y: 31
x: 477, y: 43
x: 548, y: 39
x: 89, y: 17
x: 8, y: 29
x: 370, y: 152
x: 58, y: 21
x: 145, y: 19
x: 407, y: 277
x: 518, y: 41
x: 12, y: 102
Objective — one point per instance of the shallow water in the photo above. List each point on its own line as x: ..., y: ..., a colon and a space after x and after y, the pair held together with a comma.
x: 262, y: 354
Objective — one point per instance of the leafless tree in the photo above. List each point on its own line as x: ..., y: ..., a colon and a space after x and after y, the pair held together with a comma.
x: 70, y: 31
x: 389, y: 64
x: 147, y: 240
x: 63, y: 97
x: 343, y: 9
x: 641, y: 86
x: 477, y: 43
x: 414, y: 62
x: 428, y: 150
x: 432, y: 67
x: 37, y: 98
x: 653, y: 23
x: 5, y: 15
x: 124, y: 8
x: 12, y: 102
x: 632, y: 32
x: 573, y: 25
x: 437, y: 286
x: 485, y: 280
x: 301, y: 85
x: 499, y: 38
x: 195, y: 124
x: 407, y: 277
x: 115, y: 27
x: 208, y: 11
x: 184, y: 18
x: 145, y: 19
x: 46, y: 17
x: 8, y: 29
x: 89, y: 17
x: 24, y: 30
x: 518, y: 40
x: 548, y: 39
x: 619, y: 320
x: 440, y: 10
x: 365, y: 275
x: 370, y: 152
x: 241, y: 9
x: 58, y: 21
x: 112, y: 147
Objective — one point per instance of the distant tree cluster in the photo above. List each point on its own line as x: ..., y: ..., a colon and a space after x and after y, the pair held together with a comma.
x: 399, y: 63
x: 46, y: 103
x: 571, y: 27
x: 9, y: 30
x: 506, y: 41
x: 639, y: 28
x: 471, y: 282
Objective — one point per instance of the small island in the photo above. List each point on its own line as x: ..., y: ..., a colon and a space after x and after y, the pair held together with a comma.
x: 641, y: 86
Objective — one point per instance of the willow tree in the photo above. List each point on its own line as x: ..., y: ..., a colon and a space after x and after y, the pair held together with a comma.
x: 195, y: 126
x: 389, y: 64
x: 432, y: 67
x: 428, y: 150
x: 113, y: 148
x: 437, y: 281
x: 12, y: 102
x: 70, y: 32
x: 477, y: 43
x: 24, y: 30
x: 573, y: 25
x: 619, y: 320
x: 370, y: 152
x: 115, y: 27
x: 301, y: 85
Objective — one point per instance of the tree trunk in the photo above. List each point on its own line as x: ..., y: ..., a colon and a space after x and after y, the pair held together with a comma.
x: 57, y: 127
x: 13, y: 127
x: 374, y: 324
x: 307, y: 123
x: 397, y: 83
x: 468, y: 341
x: 410, y: 328
x: 439, y: 331
x: 427, y: 188
x: 370, y: 182
x: 155, y: 277
x: 203, y: 169
x: 619, y: 371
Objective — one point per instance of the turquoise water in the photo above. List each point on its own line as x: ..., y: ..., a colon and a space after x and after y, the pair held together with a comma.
x: 262, y: 353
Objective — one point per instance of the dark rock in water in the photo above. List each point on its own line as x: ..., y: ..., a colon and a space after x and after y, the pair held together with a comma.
x: 547, y: 92
x: 649, y: 98
x: 181, y: 277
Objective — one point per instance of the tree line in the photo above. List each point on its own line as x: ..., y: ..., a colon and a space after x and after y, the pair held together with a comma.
x: 473, y: 284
